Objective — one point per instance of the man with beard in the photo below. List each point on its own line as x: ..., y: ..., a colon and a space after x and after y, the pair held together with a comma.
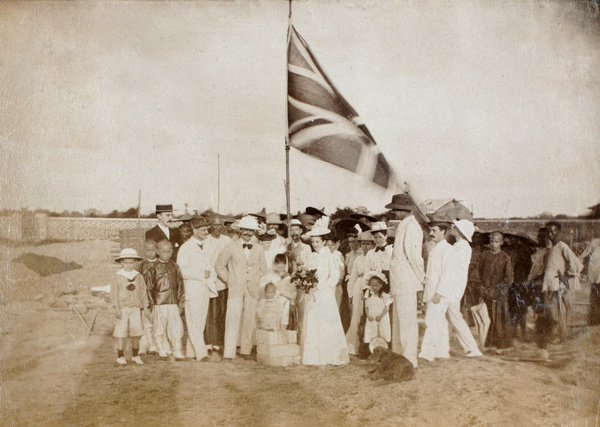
x: 297, y: 252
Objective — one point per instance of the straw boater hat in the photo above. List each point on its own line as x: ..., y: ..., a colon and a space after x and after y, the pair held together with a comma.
x: 297, y: 223
x: 248, y: 223
x: 379, y: 227
x: 274, y: 218
x: 321, y: 227
x: 164, y: 208
x: 466, y: 228
x: 366, y: 236
x: 402, y: 202
x: 128, y: 253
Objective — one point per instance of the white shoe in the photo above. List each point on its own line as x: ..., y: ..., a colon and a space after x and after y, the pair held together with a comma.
x: 137, y: 360
x: 121, y: 360
x: 474, y: 354
x: 178, y: 355
x: 163, y: 355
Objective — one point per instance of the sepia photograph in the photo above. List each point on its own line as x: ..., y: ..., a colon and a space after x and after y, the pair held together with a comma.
x: 300, y: 212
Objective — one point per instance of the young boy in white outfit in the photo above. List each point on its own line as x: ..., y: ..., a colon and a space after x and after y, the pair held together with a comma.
x: 128, y: 294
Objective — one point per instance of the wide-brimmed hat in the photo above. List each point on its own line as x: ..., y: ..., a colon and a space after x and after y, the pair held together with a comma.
x: 360, y: 217
x: 248, y: 223
x: 267, y: 236
x: 401, y: 202
x: 274, y: 218
x: 128, y: 253
x: 379, y: 226
x: 466, y: 228
x: 315, y: 212
x: 321, y: 227
x: 377, y: 342
x: 261, y: 214
x: 200, y: 222
x: 439, y: 220
x: 164, y: 208
x: 182, y: 218
x: 377, y: 274
x: 366, y: 236
x: 297, y: 223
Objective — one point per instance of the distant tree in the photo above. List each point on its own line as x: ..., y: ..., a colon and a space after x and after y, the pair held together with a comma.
x: 362, y: 210
x: 76, y: 214
x: 92, y: 213
x: 114, y: 214
x: 130, y: 213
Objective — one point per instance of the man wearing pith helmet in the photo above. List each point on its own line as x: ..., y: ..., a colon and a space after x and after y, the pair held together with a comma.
x: 240, y: 266
x: 406, y: 277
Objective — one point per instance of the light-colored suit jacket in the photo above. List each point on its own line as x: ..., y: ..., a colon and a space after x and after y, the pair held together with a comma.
x: 406, y: 266
x: 241, y: 274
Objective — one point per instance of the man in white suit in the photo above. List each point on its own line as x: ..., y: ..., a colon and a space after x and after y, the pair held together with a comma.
x: 240, y: 266
x: 199, y: 283
x: 406, y: 277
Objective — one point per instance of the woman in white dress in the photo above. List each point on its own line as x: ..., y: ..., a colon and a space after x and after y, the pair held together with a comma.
x: 323, y: 341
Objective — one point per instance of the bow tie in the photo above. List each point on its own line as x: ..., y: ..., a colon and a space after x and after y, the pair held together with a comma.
x: 247, y: 245
x: 380, y: 248
x: 130, y: 285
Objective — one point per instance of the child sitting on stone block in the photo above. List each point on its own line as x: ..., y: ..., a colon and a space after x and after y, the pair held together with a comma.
x: 272, y: 313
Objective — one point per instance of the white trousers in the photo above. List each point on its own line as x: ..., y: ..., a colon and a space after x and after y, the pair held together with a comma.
x: 435, y: 342
x: 196, y: 311
x: 463, y: 333
x: 168, y: 326
x: 240, y: 323
x: 147, y: 342
x: 405, y: 329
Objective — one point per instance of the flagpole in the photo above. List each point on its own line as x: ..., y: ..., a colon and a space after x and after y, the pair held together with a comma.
x: 218, y: 183
x: 287, y: 141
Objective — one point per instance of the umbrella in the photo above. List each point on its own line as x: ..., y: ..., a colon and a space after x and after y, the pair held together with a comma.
x: 482, y: 321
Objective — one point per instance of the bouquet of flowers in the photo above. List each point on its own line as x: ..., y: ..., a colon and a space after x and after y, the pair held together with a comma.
x: 305, y: 280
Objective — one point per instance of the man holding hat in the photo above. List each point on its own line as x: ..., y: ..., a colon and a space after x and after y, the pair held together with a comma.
x: 406, y: 277
x: 297, y: 252
x: 164, y: 230
x: 240, y: 266
x: 199, y: 283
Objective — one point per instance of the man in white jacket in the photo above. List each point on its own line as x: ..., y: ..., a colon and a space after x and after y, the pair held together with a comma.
x: 435, y: 342
x: 406, y: 277
x: 199, y: 281
x: 452, y: 286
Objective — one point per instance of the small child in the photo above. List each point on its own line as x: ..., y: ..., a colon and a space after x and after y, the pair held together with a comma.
x: 272, y: 312
x: 496, y: 275
x: 167, y: 299
x: 128, y: 294
x: 147, y: 343
x: 377, y: 305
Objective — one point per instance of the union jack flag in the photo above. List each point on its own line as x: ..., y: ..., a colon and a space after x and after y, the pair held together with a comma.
x: 322, y: 124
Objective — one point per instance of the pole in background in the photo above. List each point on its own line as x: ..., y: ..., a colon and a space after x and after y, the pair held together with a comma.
x: 218, y: 183
x: 139, y: 221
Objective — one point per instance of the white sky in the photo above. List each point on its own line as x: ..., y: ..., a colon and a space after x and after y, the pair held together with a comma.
x: 493, y: 103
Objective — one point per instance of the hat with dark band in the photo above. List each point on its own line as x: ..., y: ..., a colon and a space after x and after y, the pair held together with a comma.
x: 164, y: 208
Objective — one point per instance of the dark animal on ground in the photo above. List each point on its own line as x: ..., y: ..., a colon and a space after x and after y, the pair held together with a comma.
x: 392, y: 367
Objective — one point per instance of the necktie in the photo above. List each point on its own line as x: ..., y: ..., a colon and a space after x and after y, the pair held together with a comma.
x: 247, y: 245
x: 130, y: 285
x: 380, y: 248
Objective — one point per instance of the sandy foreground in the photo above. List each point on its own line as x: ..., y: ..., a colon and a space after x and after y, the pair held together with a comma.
x: 52, y: 372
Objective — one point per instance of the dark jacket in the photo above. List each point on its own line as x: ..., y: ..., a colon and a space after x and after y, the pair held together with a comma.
x: 156, y: 234
x: 165, y: 284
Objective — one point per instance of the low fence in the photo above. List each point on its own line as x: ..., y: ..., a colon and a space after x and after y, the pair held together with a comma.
x: 28, y: 227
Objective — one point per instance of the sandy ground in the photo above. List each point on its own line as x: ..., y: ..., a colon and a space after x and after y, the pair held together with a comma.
x: 53, y: 373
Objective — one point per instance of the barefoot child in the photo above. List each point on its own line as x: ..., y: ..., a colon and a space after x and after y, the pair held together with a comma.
x: 166, y: 293
x: 377, y: 305
x: 128, y: 294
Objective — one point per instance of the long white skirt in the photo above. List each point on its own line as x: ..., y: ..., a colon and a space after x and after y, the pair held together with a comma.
x: 323, y: 341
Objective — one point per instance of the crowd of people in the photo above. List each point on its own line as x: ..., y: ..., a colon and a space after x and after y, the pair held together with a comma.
x: 214, y: 282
